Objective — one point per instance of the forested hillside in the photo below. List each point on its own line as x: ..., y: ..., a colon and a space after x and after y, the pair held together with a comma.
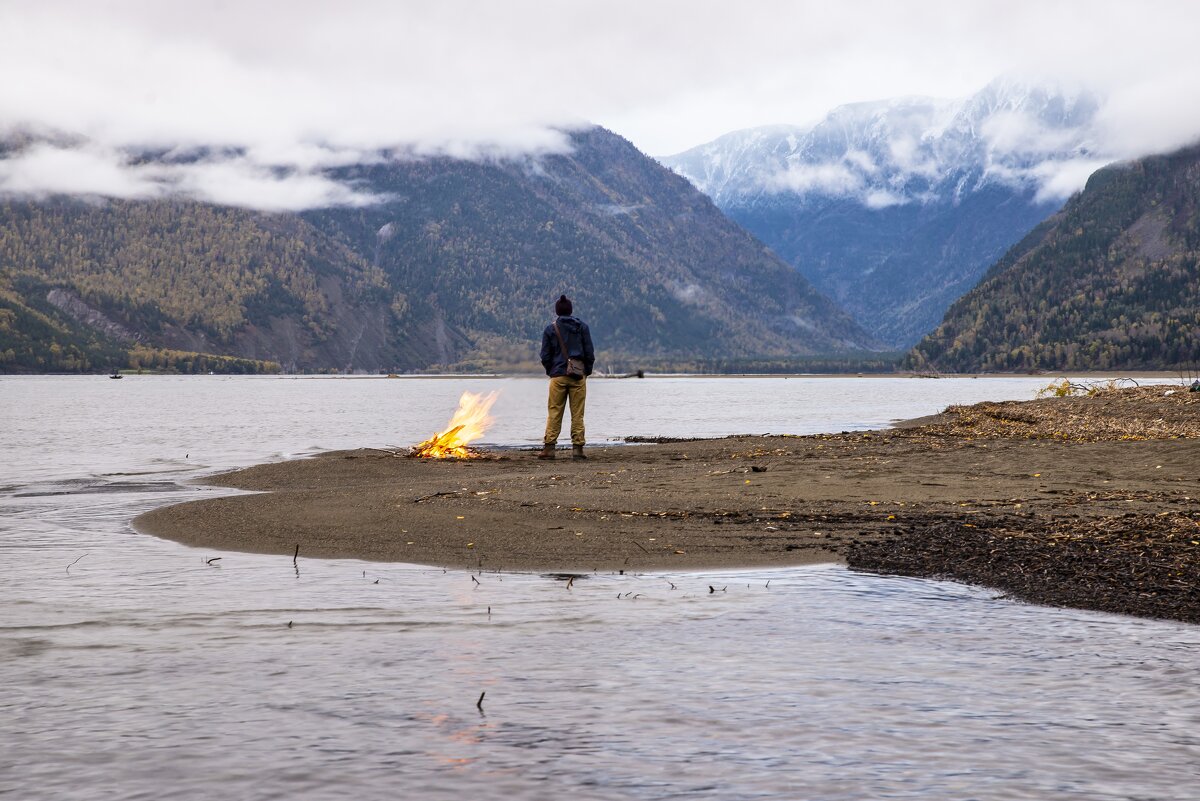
x: 84, y: 282
x: 457, y: 266
x: 1110, y: 282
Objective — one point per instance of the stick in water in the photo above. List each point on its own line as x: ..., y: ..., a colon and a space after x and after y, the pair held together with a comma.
x: 479, y: 703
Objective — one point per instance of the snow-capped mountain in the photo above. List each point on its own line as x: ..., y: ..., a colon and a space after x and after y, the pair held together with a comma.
x: 897, y: 207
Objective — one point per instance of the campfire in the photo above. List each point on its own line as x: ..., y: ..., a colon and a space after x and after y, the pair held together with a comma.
x: 469, y: 423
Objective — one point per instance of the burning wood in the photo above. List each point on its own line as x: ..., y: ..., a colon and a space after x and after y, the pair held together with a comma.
x: 469, y: 423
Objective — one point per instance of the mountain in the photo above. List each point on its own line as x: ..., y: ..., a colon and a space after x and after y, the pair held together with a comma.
x: 896, y: 208
x: 103, y: 277
x: 1110, y: 282
x: 457, y: 265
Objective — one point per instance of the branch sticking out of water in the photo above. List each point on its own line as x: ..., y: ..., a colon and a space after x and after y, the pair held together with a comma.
x: 479, y: 703
x: 73, y: 563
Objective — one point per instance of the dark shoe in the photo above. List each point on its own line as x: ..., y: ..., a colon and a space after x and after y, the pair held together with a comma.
x: 577, y: 452
x: 547, y: 452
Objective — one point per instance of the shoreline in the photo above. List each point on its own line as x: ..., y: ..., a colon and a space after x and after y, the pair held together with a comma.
x: 1157, y: 375
x: 1082, y: 501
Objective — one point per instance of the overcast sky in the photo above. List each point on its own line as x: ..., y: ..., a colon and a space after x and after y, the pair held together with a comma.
x: 303, y: 85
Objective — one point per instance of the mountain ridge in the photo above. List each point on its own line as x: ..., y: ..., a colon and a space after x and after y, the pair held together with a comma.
x: 456, y: 266
x: 894, y: 208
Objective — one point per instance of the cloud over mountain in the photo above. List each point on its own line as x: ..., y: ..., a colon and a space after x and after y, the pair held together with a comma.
x: 278, y: 92
x: 914, y: 149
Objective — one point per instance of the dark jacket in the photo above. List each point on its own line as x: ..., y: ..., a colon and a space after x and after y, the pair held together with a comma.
x: 579, y: 344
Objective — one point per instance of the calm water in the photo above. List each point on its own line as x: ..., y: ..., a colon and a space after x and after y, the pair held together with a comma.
x: 133, y: 668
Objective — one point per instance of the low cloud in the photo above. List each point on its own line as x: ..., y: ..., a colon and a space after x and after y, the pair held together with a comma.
x: 272, y: 102
x: 44, y: 170
x: 861, y: 161
x: 288, y: 92
x: 832, y: 178
x: 909, y: 158
x: 690, y: 294
x: 846, y: 178
x: 1152, y: 116
x: 1058, y: 180
x: 882, y: 199
x: 239, y: 182
x: 1013, y: 134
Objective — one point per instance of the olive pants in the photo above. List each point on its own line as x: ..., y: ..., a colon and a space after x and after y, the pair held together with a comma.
x: 563, y: 389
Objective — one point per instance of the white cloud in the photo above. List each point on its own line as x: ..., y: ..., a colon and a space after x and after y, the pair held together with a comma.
x: 1014, y: 133
x: 881, y: 199
x: 691, y: 294
x: 239, y: 182
x: 305, y: 85
x: 1058, y: 180
x: 907, y: 156
x: 830, y: 179
x: 45, y: 169
x: 42, y: 170
x: 1153, y: 115
x: 862, y: 161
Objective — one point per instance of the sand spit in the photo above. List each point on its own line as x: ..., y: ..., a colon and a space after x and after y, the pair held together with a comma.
x: 1077, y: 501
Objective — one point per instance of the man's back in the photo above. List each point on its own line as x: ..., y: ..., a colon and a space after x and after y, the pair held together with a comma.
x: 578, y: 340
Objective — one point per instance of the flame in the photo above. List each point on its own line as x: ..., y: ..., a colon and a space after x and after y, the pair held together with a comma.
x: 469, y: 423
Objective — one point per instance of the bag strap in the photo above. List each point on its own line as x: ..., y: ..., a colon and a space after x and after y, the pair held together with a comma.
x: 562, y: 343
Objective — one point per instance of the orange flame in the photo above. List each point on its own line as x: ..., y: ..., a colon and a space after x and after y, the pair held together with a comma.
x: 469, y: 423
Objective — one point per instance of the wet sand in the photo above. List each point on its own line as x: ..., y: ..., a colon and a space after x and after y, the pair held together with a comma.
x: 1088, y: 502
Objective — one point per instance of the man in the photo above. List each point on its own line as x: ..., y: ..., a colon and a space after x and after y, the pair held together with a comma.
x: 566, y: 349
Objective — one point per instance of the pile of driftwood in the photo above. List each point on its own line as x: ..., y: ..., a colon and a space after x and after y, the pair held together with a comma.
x: 1133, y: 413
x: 1144, y: 563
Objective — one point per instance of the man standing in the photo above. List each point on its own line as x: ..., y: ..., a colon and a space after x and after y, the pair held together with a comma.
x: 568, y: 356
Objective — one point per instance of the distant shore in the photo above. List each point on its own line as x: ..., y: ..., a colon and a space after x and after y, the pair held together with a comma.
x: 1089, y: 502
x: 1084, y: 374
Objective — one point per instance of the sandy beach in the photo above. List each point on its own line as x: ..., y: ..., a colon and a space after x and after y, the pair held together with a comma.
x: 1079, y: 501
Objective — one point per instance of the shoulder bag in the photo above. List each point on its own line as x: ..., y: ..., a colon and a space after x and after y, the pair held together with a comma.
x: 575, y: 368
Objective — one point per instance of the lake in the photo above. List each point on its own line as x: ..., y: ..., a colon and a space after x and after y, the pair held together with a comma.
x: 132, y: 667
